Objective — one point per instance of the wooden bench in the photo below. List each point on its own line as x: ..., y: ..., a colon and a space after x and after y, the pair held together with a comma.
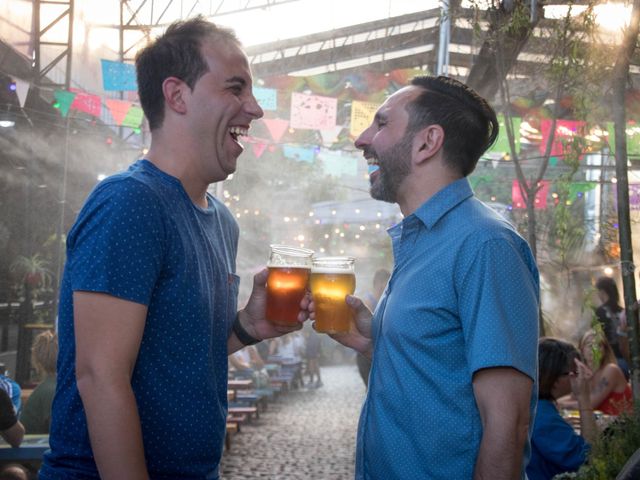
x: 238, y: 418
x: 248, y: 411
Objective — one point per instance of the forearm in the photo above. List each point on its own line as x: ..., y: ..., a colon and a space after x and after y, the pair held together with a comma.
x: 500, y: 454
x: 503, y: 397
x: 14, y: 434
x: 588, y: 427
x: 114, y: 428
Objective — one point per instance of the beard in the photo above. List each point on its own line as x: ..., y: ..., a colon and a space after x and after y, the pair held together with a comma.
x: 395, y: 166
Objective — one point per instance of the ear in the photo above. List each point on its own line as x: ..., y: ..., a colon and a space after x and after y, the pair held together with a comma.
x: 173, y: 90
x: 428, y: 142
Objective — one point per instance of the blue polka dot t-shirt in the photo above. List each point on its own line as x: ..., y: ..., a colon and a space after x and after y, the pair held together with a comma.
x: 139, y: 237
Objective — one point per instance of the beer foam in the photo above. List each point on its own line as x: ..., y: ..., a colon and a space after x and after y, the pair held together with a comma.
x: 332, y: 270
x: 287, y: 265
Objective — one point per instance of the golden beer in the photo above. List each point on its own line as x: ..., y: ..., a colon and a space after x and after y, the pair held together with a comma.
x: 332, y: 278
x: 289, y: 270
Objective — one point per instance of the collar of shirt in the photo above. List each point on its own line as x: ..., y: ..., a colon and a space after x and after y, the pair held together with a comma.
x: 436, y: 207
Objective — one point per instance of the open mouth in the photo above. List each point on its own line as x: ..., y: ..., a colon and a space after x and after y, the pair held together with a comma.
x: 237, y: 132
x: 372, y: 164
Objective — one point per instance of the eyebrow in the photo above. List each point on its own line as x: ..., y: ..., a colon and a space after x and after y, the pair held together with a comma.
x: 236, y: 79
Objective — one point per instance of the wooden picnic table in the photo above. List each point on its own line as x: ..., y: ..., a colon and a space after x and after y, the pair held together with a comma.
x: 239, y: 384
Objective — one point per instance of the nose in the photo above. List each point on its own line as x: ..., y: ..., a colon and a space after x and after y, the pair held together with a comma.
x: 253, y: 108
x: 363, y: 139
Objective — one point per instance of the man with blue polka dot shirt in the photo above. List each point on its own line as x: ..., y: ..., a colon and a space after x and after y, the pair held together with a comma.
x: 148, y: 308
x: 454, y: 337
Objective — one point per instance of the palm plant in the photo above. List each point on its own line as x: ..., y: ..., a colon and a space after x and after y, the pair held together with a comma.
x: 33, y: 270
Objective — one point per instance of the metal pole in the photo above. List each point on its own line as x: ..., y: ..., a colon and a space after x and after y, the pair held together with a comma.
x: 445, y: 35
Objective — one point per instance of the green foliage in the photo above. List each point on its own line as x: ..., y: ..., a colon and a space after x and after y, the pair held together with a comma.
x: 519, y: 20
x: 33, y: 270
x: 567, y: 226
x: 578, y: 63
x: 613, y: 448
x: 596, y: 326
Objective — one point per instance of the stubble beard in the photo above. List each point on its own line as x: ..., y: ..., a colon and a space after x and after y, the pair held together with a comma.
x: 395, y: 166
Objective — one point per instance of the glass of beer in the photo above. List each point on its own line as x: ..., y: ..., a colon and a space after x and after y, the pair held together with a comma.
x: 289, y: 270
x: 332, y: 278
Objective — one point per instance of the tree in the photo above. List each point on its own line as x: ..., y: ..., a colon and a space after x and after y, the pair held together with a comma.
x: 619, y: 83
x: 574, y: 60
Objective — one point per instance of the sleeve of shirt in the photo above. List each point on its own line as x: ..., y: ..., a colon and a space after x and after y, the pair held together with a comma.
x: 558, y: 442
x: 7, y: 416
x: 499, y: 308
x: 117, y: 244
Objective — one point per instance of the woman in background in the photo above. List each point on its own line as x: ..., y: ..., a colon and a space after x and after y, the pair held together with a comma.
x: 36, y: 414
x: 610, y: 391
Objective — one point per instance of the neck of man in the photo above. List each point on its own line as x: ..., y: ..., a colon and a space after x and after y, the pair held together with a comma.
x: 178, y: 159
x: 423, y: 183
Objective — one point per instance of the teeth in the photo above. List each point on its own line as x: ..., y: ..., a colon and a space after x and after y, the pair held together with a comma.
x: 371, y: 160
x: 239, y: 131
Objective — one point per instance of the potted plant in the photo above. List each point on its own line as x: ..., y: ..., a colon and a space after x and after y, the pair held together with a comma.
x: 33, y: 271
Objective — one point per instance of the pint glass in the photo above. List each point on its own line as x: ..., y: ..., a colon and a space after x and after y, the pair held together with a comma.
x: 289, y: 269
x: 332, y: 278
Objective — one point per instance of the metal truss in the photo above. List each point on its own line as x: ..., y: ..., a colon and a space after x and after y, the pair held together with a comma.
x: 139, y: 17
x: 50, y: 15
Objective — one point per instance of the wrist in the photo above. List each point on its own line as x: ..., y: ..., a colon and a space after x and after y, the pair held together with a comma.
x: 241, y: 334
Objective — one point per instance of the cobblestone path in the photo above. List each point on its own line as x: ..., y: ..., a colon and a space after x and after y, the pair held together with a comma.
x: 306, y: 434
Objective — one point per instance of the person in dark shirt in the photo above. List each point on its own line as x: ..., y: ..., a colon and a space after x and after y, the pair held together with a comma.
x: 611, y: 316
x: 555, y: 446
x: 10, y: 428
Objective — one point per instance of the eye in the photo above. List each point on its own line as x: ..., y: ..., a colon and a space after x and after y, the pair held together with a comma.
x: 236, y: 89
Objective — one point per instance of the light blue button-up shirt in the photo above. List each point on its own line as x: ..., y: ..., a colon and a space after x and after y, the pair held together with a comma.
x: 463, y: 296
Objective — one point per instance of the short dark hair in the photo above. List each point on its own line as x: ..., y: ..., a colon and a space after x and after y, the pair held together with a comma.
x: 554, y: 356
x: 176, y: 53
x: 608, y: 286
x: 470, y: 124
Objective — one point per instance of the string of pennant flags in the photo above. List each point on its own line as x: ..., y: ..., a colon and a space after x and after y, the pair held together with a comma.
x: 312, y: 104
x: 319, y: 103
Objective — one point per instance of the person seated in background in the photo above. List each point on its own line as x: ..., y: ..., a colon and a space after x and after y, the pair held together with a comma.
x: 14, y: 471
x: 13, y: 390
x: 247, y: 363
x: 12, y: 431
x: 610, y: 391
x: 555, y: 445
x: 10, y: 427
x: 36, y: 415
x: 286, y: 347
